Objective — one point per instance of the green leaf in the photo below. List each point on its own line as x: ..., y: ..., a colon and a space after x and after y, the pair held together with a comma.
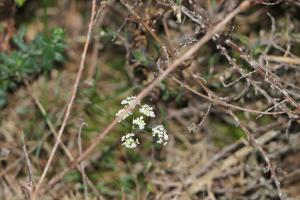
x: 20, y: 2
x: 30, y: 58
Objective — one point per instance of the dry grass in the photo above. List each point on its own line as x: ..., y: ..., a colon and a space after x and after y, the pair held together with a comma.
x: 223, y: 75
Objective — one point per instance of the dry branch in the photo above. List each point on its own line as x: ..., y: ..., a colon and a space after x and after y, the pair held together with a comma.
x: 70, y: 103
x: 210, y: 33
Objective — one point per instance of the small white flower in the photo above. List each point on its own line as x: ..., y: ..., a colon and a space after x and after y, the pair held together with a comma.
x: 128, y: 100
x: 161, y: 134
x: 129, y: 142
x: 140, y: 122
x: 121, y: 111
x: 147, y: 110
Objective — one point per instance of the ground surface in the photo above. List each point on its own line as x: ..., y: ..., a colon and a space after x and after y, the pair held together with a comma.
x: 231, y: 110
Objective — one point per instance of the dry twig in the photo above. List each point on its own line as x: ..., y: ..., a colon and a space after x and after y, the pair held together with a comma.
x: 71, y: 101
x: 210, y: 33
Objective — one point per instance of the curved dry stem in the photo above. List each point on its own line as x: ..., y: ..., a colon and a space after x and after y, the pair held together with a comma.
x: 171, y: 67
x: 71, y: 101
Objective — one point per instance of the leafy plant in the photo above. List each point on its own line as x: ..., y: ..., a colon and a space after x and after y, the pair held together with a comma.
x: 29, y: 59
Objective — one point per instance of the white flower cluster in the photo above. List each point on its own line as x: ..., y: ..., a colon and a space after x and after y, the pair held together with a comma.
x: 129, y: 142
x: 139, y: 124
x: 147, y: 110
x: 127, y: 103
x: 161, y: 134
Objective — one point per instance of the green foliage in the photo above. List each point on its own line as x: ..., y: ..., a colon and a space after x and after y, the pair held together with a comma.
x: 178, y: 2
x: 142, y: 58
x: 29, y: 59
x: 225, y: 134
x: 72, y: 176
x: 20, y: 2
x: 175, y: 95
x: 127, y: 183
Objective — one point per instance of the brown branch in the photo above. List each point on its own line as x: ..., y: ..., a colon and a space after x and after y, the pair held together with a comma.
x: 243, y: 6
x: 171, y: 67
x: 70, y: 103
x: 216, y: 100
x: 269, y: 77
x: 28, y: 188
x: 54, y: 132
x: 252, y: 140
x: 82, y: 165
x: 283, y: 59
x: 233, y: 158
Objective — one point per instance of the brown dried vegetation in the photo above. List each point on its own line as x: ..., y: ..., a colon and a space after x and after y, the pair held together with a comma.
x: 224, y: 76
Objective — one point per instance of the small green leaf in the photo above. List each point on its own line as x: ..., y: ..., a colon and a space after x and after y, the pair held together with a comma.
x: 20, y: 2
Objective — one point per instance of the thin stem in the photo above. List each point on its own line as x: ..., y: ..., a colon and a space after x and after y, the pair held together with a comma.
x: 70, y: 103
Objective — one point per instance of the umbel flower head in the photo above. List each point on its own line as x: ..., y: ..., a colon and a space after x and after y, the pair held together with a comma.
x: 161, y: 134
x: 139, y: 122
x: 147, y: 110
x: 126, y: 102
x: 129, y: 142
